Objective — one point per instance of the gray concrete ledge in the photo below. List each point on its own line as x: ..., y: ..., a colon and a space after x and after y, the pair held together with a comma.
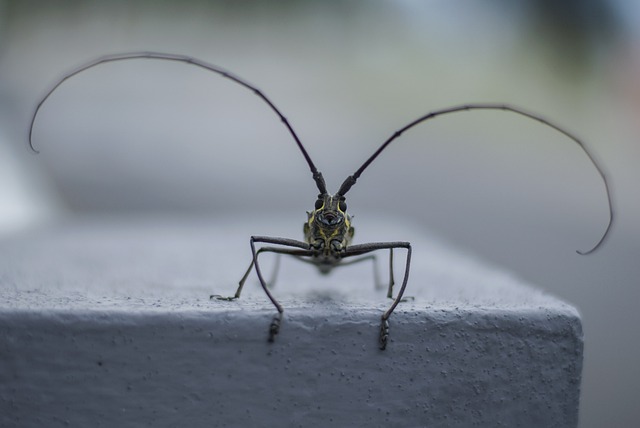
x: 108, y: 323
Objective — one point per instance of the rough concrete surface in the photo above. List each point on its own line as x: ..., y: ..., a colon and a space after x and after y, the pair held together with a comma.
x: 109, y: 323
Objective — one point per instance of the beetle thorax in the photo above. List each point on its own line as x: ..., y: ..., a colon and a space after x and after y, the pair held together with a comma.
x: 328, y: 228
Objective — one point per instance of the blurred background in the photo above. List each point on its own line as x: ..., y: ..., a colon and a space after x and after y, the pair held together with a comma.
x: 148, y: 137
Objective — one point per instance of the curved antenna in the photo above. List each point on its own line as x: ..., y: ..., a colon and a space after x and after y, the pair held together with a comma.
x: 317, y: 176
x: 351, y: 180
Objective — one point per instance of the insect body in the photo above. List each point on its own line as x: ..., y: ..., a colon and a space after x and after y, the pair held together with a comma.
x: 328, y: 231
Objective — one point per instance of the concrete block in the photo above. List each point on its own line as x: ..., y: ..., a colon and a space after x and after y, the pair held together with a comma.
x: 109, y: 323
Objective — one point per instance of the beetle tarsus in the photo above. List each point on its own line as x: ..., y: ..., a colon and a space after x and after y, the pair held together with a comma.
x: 404, y: 299
x: 225, y: 298
x: 274, y: 327
x: 384, y: 334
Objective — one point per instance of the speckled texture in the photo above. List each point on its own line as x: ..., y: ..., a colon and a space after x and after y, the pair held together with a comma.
x: 108, y: 323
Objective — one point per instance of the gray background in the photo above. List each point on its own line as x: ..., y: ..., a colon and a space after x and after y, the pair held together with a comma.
x: 151, y: 137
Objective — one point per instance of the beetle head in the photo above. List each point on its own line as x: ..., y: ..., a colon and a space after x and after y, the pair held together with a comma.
x: 328, y: 227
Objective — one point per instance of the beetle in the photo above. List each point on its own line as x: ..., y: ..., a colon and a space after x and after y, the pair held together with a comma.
x: 328, y: 230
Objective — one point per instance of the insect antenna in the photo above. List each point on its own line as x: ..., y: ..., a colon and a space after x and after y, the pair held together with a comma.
x: 351, y: 180
x: 317, y: 175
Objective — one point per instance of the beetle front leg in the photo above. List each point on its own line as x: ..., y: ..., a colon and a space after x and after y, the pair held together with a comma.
x: 274, y: 275
x: 274, y: 327
x: 384, y: 327
x: 356, y: 250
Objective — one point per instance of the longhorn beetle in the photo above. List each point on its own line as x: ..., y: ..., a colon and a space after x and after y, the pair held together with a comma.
x: 328, y: 230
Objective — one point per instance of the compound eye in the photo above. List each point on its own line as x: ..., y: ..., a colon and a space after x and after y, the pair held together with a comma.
x: 342, y: 205
x: 319, y: 204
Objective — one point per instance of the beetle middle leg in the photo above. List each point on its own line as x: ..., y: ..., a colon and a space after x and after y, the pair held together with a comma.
x: 376, y: 272
x: 270, y: 284
x: 392, y: 282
